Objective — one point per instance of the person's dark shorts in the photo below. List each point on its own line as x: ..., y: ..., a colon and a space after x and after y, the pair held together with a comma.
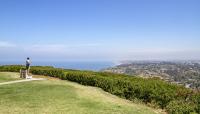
x: 27, y: 67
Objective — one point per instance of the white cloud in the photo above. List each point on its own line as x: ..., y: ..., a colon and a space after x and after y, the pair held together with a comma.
x: 59, y: 48
x: 84, y: 45
x: 4, y: 44
x: 47, y: 47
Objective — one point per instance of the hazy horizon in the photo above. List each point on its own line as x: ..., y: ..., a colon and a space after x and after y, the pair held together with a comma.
x: 99, y: 30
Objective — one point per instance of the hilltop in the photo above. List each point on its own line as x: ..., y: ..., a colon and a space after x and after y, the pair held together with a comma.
x: 58, y: 96
x: 186, y: 73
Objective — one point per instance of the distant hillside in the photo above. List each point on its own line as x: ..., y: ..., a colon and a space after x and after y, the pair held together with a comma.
x: 186, y: 73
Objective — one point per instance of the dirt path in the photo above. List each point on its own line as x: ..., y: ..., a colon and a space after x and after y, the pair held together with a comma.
x: 18, y: 81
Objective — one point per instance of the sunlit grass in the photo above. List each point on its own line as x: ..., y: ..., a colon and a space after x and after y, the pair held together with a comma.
x: 8, y: 76
x: 63, y: 97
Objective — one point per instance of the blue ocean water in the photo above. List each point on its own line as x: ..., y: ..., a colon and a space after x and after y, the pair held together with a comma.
x: 95, y: 66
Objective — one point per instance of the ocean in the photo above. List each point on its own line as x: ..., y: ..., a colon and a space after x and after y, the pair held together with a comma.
x: 83, y: 65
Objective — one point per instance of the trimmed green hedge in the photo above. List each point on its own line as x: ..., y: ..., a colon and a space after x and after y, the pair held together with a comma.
x: 180, y: 107
x: 11, y: 68
x: 175, y: 99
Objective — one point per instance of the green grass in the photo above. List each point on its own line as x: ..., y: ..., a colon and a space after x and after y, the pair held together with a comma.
x: 8, y: 76
x: 63, y: 97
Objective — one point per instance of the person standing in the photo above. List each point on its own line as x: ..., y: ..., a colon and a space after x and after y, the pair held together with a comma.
x: 28, y: 65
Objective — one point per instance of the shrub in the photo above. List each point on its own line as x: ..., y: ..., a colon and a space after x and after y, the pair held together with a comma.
x: 180, y: 107
x: 11, y: 68
x: 47, y: 71
x: 196, y: 100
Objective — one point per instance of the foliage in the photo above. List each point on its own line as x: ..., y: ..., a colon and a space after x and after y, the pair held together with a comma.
x: 196, y: 100
x: 180, y: 107
x: 11, y: 68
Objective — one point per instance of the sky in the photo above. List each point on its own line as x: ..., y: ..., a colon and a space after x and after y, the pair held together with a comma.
x: 99, y: 30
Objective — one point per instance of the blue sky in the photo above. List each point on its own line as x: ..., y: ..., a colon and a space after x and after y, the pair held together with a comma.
x: 93, y: 30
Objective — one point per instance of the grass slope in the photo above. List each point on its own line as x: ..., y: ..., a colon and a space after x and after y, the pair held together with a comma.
x: 8, y: 76
x: 63, y: 97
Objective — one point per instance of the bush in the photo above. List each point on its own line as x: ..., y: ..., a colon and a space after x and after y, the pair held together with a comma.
x: 11, y: 68
x: 198, y: 105
x: 196, y: 100
x: 47, y: 71
x: 180, y: 107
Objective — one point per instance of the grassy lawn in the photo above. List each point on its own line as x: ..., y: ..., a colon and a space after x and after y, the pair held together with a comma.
x: 8, y: 76
x: 63, y: 97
